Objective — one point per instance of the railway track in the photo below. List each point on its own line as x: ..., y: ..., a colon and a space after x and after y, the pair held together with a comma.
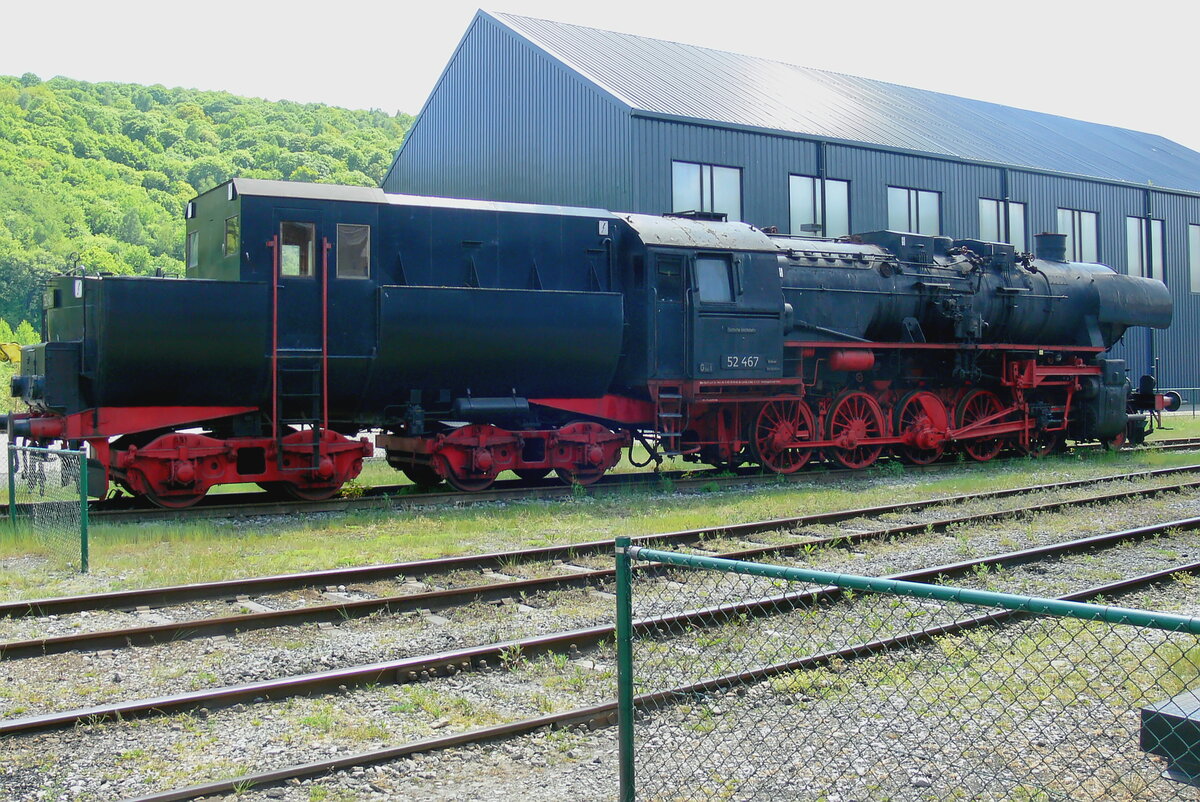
x: 414, y: 669
x: 250, y: 504
x: 506, y: 588
x: 604, y: 714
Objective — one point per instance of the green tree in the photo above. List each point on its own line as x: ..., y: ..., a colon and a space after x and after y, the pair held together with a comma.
x: 96, y: 176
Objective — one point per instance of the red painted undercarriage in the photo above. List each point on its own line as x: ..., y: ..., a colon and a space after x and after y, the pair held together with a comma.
x: 835, y: 404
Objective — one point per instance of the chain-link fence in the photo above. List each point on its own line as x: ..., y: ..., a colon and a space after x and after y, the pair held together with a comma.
x: 47, y: 501
x: 755, y: 682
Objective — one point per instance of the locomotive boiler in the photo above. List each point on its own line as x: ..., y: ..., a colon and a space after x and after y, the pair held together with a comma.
x: 475, y: 338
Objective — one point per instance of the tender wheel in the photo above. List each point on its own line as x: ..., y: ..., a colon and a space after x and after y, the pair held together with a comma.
x: 853, y: 418
x: 921, y: 415
x: 975, y: 406
x: 174, y: 502
x: 580, y: 476
x: 780, y: 433
x: 465, y: 483
x: 290, y: 490
x: 532, y: 474
x: 422, y: 475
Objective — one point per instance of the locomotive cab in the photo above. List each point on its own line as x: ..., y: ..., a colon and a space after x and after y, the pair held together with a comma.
x: 710, y: 306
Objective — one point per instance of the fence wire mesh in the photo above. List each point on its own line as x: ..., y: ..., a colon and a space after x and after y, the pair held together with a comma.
x: 48, y: 503
x: 783, y: 689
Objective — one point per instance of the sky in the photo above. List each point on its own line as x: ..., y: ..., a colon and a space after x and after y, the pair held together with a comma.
x: 1132, y: 65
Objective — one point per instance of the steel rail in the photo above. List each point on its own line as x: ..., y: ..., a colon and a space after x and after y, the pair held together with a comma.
x: 232, y: 588
x: 416, y: 668
x: 245, y: 505
x: 606, y: 714
x: 456, y: 597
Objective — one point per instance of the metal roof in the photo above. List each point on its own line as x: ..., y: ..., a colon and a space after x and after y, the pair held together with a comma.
x: 674, y: 80
x: 270, y: 188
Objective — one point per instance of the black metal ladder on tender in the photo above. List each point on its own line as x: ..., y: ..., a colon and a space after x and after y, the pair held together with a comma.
x: 299, y: 399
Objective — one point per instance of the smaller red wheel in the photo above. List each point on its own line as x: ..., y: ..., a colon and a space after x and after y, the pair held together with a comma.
x: 1115, y: 443
x: 320, y: 493
x: 422, y: 475
x: 922, y: 420
x: 584, y: 475
x: 780, y: 434
x: 854, y: 420
x: 464, y: 482
x: 1042, y: 443
x: 975, y: 406
x: 175, y: 501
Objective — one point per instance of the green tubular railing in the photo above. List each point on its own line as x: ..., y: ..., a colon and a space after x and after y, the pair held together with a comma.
x: 983, y: 598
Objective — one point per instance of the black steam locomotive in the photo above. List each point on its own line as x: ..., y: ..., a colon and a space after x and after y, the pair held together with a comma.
x: 481, y: 337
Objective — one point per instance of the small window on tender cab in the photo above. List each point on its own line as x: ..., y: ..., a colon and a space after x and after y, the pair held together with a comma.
x: 296, y: 251
x: 193, y: 249
x: 714, y: 279
x: 353, y: 251
x: 232, y: 235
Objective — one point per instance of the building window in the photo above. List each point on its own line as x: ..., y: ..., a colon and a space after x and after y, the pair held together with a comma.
x: 1194, y: 256
x: 353, y: 251
x: 232, y: 229
x: 297, y: 246
x: 1136, y: 245
x: 992, y: 223
x: 706, y: 188
x: 193, y: 249
x: 1082, y: 240
x: 826, y: 215
x: 914, y: 210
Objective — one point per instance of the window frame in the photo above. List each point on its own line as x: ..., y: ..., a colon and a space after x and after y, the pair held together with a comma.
x: 1003, y: 211
x: 707, y: 206
x: 732, y: 278
x: 312, y: 249
x: 338, y: 251
x: 912, y: 209
x: 1075, y: 251
x: 1193, y: 257
x: 1138, y: 226
x: 677, y: 273
x: 192, y: 257
x: 226, y: 252
x: 820, y: 205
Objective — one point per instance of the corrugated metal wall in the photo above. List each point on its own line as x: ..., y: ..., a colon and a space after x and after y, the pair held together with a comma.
x: 767, y: 160
x: 1178, y: 348
x: 506, y: 122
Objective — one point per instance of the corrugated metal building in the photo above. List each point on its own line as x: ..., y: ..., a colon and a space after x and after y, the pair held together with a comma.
x: 538, y: 111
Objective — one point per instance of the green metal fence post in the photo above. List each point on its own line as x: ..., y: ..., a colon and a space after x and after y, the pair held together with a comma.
x: 83, y: 512
x: 624, y: 672
x: 12, y: 484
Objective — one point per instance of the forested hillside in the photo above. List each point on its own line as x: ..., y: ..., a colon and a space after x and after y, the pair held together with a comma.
x: 99, y: 173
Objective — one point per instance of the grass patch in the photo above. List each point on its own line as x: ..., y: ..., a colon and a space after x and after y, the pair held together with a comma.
x: 141, y: 555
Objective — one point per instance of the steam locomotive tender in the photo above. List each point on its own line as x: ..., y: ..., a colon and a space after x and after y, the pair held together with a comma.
x: 480, y: 337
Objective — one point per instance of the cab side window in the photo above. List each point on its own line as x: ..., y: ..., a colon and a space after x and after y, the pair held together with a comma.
x: 714, y: 279
x: 670, y: 278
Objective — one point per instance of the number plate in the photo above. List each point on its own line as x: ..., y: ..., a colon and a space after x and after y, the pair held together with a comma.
x: 742, y: 361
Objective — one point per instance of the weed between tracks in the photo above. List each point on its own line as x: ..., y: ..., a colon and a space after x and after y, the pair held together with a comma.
x: 140, y: 555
